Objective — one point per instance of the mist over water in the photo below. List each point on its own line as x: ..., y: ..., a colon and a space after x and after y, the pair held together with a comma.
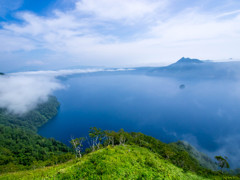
x: 205, y: 113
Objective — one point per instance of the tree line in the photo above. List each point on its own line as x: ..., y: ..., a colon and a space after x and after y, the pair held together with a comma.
x: 99, y: 138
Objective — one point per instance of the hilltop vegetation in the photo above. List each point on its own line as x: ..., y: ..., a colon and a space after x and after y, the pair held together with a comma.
x: 119, y: 162
x: 174, y: 153
x: 115, y: 162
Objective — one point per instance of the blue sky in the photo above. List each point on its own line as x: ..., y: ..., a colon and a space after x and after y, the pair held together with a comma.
x: 61, y: 33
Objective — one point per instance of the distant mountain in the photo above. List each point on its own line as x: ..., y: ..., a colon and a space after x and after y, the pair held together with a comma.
x: 1, y: 73
x: 183, y: 64
x: 188, y: 60
x: 195, y: 68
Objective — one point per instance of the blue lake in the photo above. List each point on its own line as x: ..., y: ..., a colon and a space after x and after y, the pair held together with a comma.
x: 205, y: 113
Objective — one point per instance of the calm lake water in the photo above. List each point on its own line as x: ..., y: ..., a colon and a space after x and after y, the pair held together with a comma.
x: 206, y: 113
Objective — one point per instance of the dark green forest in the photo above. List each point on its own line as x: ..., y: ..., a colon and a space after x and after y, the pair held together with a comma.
x: 20, y: 145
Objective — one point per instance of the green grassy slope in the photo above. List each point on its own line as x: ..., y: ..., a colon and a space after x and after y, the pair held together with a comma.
x: 119, y: 162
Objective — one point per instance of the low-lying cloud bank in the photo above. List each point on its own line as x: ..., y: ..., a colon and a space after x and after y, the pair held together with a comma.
x: 21, y: 92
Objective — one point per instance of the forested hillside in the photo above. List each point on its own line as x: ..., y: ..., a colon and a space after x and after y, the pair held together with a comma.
x: 203, y: 159
x: 20, y: 145
x: 33, y: 119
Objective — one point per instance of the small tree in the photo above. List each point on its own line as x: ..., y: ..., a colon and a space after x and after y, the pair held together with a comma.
x: 222, y: 162
x: 77, y: 145
x: 97, y: 136
x: 110, y: 136
x: 122, y: 137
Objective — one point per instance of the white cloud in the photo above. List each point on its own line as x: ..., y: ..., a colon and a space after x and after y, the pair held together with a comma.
x: 193, y: 26
x: 56, y: 73
x: 128, y: 10
x: 109, y: 32
x: 13, y: 42
x: 228, y: 14
x: 21, y: 93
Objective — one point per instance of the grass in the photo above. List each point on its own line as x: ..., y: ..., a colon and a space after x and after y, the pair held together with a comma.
x: 119, y: 162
